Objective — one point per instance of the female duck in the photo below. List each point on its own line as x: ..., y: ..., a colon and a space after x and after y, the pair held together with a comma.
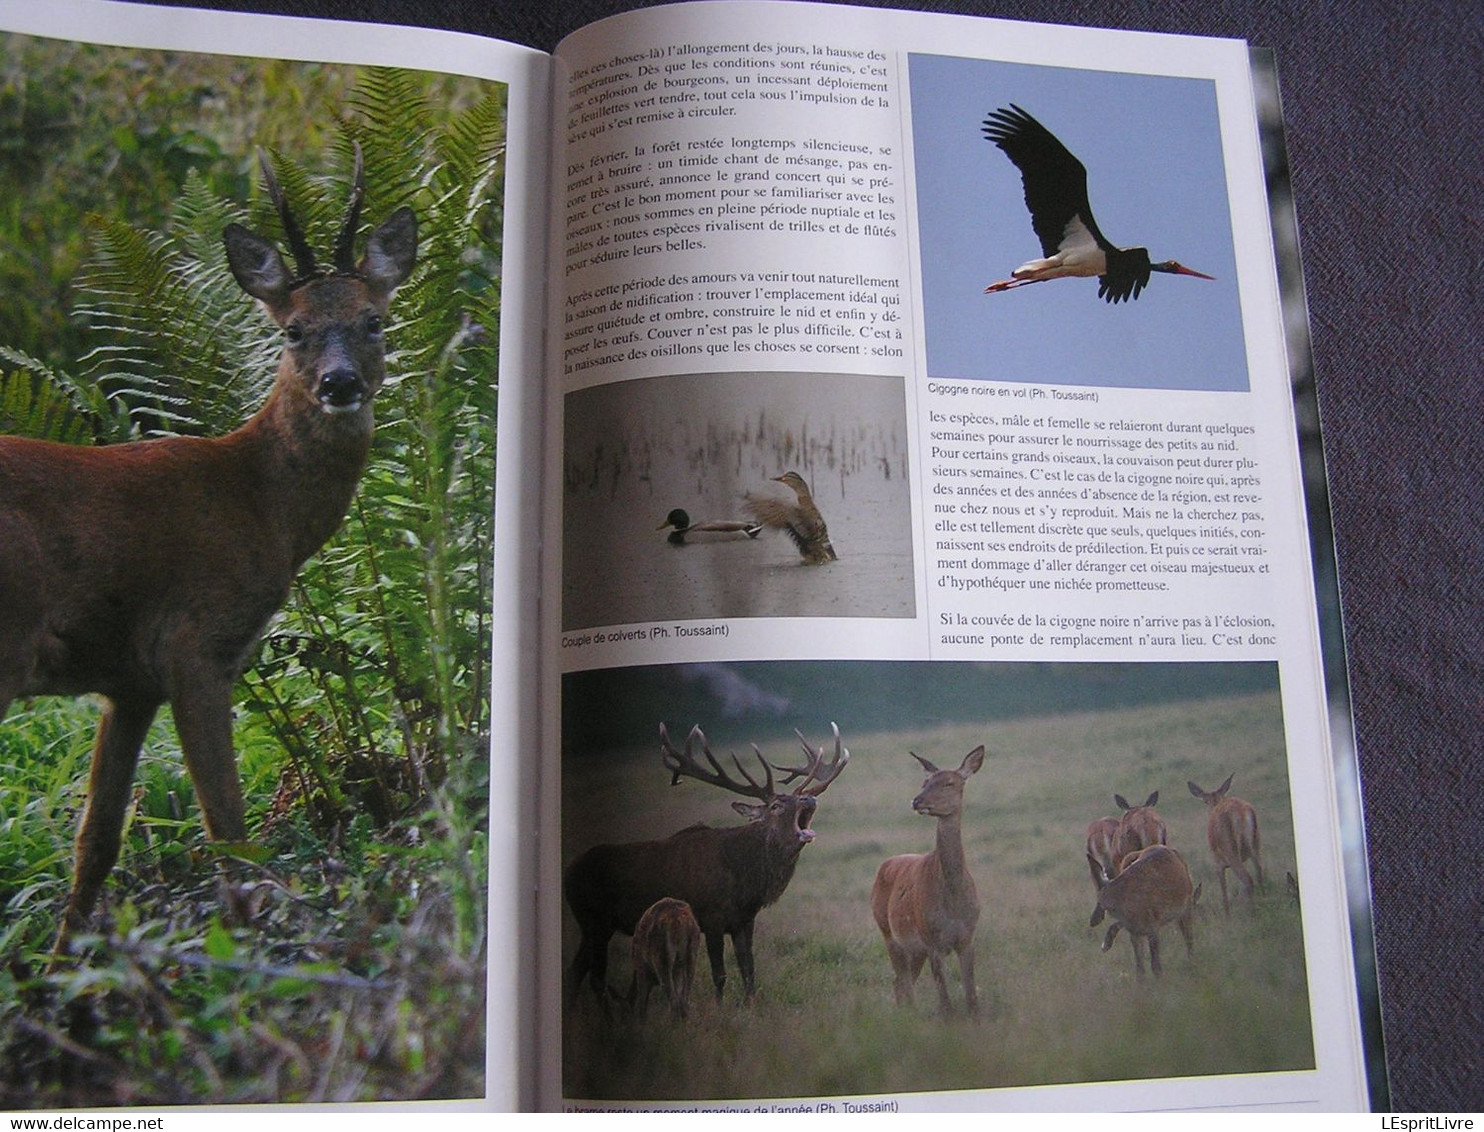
x: 799, y: 518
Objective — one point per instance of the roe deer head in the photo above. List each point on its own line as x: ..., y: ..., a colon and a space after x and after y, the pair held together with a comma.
x: 925, y: 903
x: 1231, y: 831
x: 145, y: 572
x: 667, y: 942
x: 727, y: 875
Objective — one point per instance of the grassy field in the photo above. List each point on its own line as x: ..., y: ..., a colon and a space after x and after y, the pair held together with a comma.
x: 1054, y: 1008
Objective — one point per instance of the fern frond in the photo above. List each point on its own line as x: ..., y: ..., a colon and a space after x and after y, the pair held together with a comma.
x: 108, y: 422
x: 30, y: 407
x: 474, y: 139
x: 197, y: 222
x: 180, y: 343
x: 390, y: 115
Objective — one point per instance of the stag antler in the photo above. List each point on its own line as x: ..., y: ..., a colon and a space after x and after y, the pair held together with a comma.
x: 683, y: 764
x: 817, y: 777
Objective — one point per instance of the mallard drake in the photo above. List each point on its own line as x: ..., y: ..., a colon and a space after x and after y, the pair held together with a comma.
x: 799, y: 519
x: 710, y: 530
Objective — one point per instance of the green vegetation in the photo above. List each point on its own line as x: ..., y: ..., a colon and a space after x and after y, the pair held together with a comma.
x: 346, y: 960
x: 1054, y: 1009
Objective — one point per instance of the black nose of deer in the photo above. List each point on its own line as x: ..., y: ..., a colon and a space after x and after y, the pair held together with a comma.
x: 341, y: 391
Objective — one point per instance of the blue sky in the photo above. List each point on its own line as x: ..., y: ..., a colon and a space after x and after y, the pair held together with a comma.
x: 1152, y: 149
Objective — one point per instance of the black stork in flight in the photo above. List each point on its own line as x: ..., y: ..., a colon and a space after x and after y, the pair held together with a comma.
x: 1056, y: 194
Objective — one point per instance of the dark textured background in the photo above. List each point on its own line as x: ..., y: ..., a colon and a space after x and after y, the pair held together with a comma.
x: 1383, y: 102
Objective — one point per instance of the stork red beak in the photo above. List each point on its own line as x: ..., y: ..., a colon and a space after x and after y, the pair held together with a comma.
x: 1170, y: 267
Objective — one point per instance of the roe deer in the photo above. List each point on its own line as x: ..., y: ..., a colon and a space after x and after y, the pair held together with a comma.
x: 1139, y: 827
x: 667, y: 940
x: 1151, y: 891
x: 145, y: 572
x: 1102, y: 849
x: 1231, y: 831
x: 925, y: 903
x: 727, y: 875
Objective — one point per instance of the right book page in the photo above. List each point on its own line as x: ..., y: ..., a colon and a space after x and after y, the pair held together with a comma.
x: 926, y: 505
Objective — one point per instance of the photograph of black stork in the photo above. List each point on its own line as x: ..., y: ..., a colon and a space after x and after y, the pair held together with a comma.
x: 1056, y: 194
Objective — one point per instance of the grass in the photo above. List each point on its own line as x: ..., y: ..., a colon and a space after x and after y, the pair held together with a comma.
x: 344, y: 967
x: 1054, y: 1009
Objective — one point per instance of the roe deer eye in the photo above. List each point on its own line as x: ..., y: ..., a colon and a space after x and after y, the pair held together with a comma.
x: 293, y: 333
x: 373, y: 324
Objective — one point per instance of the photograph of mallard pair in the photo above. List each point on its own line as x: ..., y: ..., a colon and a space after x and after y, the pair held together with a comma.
x: 799, y: 518
x: 709, y: 530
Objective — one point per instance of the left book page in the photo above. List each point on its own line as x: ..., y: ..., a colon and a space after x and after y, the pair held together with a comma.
x: 261, y: 585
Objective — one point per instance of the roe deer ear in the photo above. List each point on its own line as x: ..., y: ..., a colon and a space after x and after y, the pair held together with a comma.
x: 258, y: 268
x: 391, y: 252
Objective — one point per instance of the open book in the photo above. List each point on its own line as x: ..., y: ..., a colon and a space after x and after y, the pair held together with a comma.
x: 831, y: 427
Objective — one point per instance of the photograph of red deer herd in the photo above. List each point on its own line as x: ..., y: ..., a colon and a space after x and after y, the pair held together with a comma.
x: 246, y: 477
x: 852, y: 878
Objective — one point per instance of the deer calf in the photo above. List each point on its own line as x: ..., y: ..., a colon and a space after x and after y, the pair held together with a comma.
x: 1231, y: 831
x: 925, y: 903
x: 667, y: 941
x: 146, y: 572
x: 1151, y: 891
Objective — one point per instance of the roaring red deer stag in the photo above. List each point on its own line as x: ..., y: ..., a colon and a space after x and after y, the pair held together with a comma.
x: 1139, y: 827
x: 925, y: 903
x: 1151, y: 891
x: 1231, y: 831
x: 1102, y: 849
x: 667, y: 941
x: 145, y: 572
x: 727, y: 875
